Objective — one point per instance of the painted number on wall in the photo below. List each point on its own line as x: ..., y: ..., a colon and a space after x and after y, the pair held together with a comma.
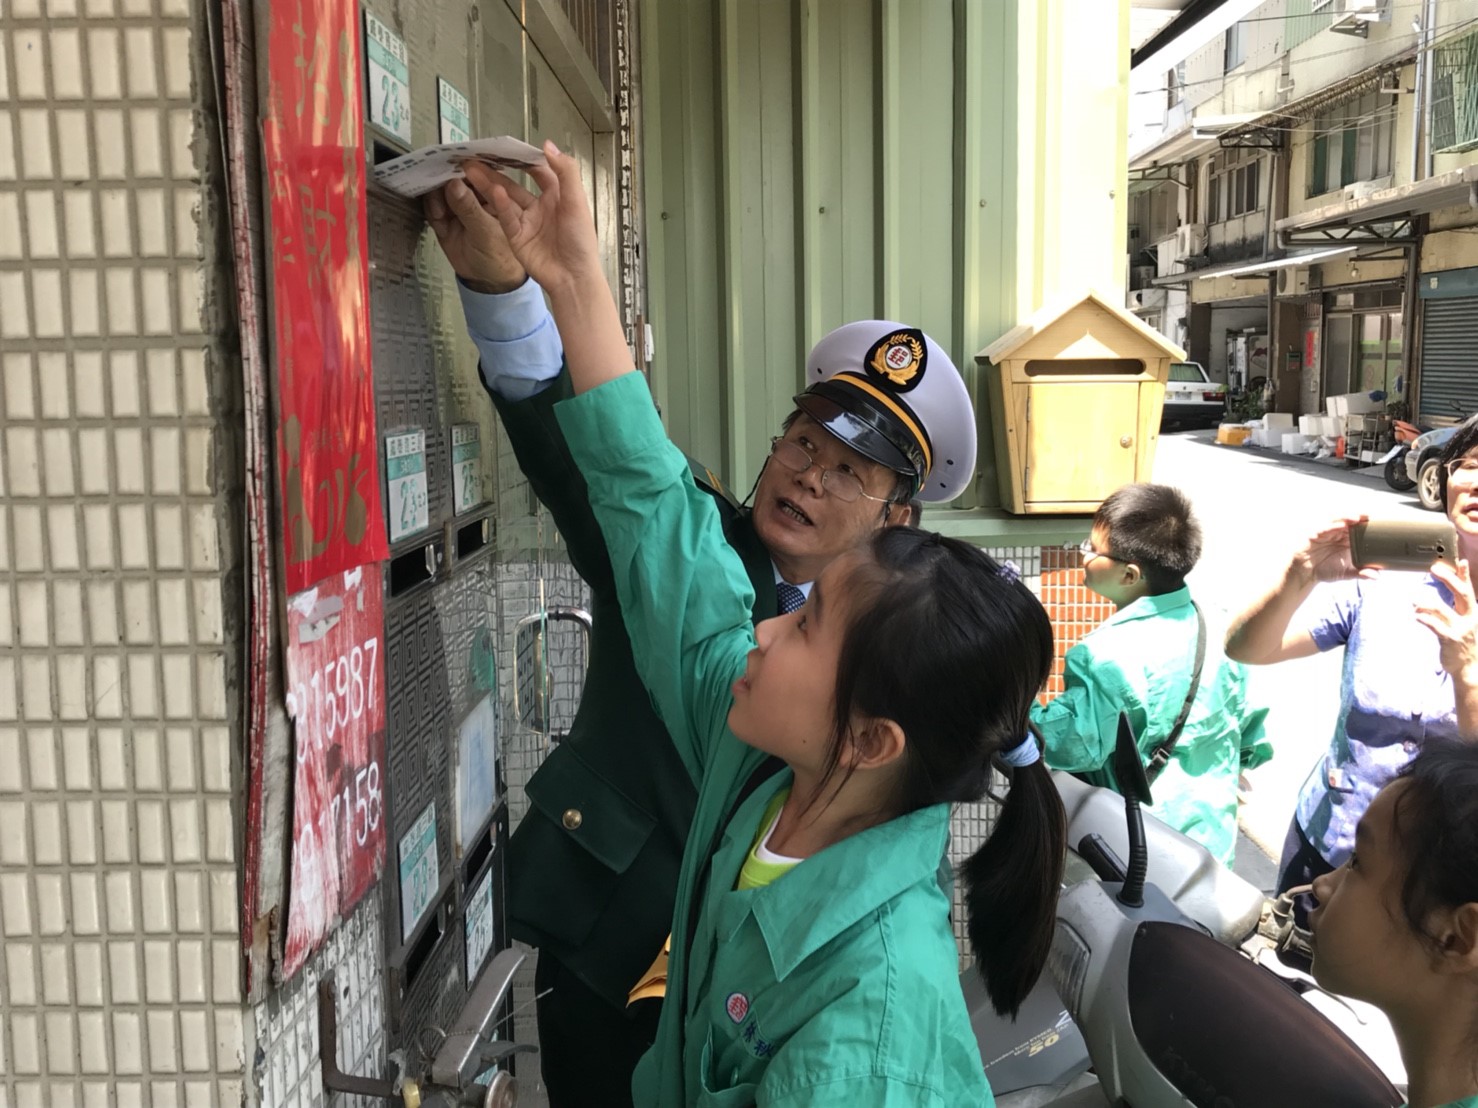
x: 389, y: 76
x: 336, y: 700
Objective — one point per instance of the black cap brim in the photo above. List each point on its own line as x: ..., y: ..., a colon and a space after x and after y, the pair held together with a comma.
x: 847, y: 416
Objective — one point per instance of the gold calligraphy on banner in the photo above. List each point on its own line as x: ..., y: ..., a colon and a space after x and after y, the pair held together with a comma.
x: 327, y: 455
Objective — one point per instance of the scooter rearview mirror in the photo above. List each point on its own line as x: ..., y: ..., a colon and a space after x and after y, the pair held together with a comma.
x: 1129, y: 766
x: 1135, y: 786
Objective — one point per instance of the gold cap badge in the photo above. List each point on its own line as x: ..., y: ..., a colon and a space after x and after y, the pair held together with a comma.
x: 899, y: 358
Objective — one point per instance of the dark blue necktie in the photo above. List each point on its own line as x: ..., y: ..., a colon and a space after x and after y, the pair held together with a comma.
x: 790, y: 596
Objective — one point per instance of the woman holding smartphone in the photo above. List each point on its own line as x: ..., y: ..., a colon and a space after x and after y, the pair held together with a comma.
x: 1410, y: 666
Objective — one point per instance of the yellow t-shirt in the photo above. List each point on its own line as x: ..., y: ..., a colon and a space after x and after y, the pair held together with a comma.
x: 761, y: 867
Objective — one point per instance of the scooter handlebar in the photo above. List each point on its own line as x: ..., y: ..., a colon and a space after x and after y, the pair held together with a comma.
x: 1094, y: 849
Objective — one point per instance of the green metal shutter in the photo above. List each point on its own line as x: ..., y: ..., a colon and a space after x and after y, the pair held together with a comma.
x: 1320, y: 165
x: 1448, y: 386
x: 1348, y: 154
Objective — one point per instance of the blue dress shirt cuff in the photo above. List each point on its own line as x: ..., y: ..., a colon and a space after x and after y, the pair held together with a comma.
x: 517, y: 343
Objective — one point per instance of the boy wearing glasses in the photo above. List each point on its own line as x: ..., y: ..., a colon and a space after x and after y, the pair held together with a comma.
x: 1154, y: 660
x: 884, y: 422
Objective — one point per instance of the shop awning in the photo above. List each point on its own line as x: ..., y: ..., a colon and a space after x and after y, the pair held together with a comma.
x: 1259, y: 268
x: 1173, y: 149
x: 1447, y: 190
x: 1308, y: 257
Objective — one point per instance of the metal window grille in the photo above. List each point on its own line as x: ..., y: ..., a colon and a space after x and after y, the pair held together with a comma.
x: 1455, y: 95
x: 594, y: 22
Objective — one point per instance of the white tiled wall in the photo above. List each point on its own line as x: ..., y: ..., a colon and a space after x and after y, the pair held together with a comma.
x: 120, y: 982
x: 286, y: 1071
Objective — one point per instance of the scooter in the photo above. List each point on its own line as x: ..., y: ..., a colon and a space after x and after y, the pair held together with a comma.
x: 1148, y: 1000
x: 1405, y: 434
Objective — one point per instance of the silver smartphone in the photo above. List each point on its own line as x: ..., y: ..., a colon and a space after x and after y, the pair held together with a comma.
x: 1402, y: 544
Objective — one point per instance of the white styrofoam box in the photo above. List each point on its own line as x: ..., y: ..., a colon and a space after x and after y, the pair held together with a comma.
x: 1295, y: 443
x: 1310, y: 424
x: 1329, y: 406
x: 1278, y: 421
x: 1368, y: 455
x: 1329, y: 426
x: 1353, y: 403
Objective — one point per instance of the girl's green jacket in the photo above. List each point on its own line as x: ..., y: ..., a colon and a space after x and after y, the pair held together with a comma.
x: 837, y: 984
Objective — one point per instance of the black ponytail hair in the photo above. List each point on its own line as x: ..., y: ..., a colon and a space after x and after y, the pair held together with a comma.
x: 952, y: 647
x: 1436, y: 823
x: 1012, y: 883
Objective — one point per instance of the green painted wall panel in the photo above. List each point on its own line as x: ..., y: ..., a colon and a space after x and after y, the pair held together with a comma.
x: 985, y: 199
x: 917, y: 166
x: 839, y: 111
x: 680, y: 114
x: 807, y: 162
x: 757, y: 121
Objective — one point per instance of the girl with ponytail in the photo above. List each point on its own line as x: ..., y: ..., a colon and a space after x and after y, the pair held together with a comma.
x: 812, y: 958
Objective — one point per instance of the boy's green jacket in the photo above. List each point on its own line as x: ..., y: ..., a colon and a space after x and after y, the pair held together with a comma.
x: 837, y: 984
x: 1139, y: 661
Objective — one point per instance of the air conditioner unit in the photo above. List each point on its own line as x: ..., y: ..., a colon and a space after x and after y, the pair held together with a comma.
x: 1141, y: 300
x: 1354, y: 17
x: 1299, y: 280
x: 1361, y: 189
x: 1190, y: 239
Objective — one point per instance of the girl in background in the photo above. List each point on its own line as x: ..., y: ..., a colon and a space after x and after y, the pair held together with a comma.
x: 1397, y: 924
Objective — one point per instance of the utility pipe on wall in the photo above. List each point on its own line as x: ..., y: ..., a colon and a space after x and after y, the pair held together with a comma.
x: 1429, y: 25
x: 1418, y: 92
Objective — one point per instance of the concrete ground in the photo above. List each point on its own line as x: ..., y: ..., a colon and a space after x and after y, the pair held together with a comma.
x: 1255, y: 506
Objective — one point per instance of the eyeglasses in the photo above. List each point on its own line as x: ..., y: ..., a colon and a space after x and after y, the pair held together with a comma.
x: 1462, y: 471
x: 1086, y: 549
x: 846, y: 487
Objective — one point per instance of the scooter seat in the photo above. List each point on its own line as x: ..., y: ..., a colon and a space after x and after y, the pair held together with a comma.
x: 1225, y: 1031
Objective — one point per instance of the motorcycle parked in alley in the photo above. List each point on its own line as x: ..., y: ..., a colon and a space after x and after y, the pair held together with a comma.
x: 1396, y: 475
x: 1152, y: 997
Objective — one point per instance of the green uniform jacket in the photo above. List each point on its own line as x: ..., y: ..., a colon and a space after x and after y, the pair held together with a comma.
x: 1140, y: 661
x: 837, y: 984
x: 599, y: 897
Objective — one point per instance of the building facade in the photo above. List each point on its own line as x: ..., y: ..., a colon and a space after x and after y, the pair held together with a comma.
x: 1302, y: 198
x: 242, y: 784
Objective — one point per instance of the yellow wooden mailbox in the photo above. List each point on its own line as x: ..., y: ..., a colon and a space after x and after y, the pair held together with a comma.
x: 1076, y: 396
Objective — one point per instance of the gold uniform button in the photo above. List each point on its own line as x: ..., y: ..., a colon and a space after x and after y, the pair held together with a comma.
x: 573, y: 819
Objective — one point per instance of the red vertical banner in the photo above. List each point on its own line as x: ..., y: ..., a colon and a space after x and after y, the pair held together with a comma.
x: 327, y: 462
x: 327, y: 458
x: 336, y: 699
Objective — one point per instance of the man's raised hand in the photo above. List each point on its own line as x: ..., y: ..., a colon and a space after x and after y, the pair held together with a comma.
x: 470, y: 235
x: 552, y: 233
